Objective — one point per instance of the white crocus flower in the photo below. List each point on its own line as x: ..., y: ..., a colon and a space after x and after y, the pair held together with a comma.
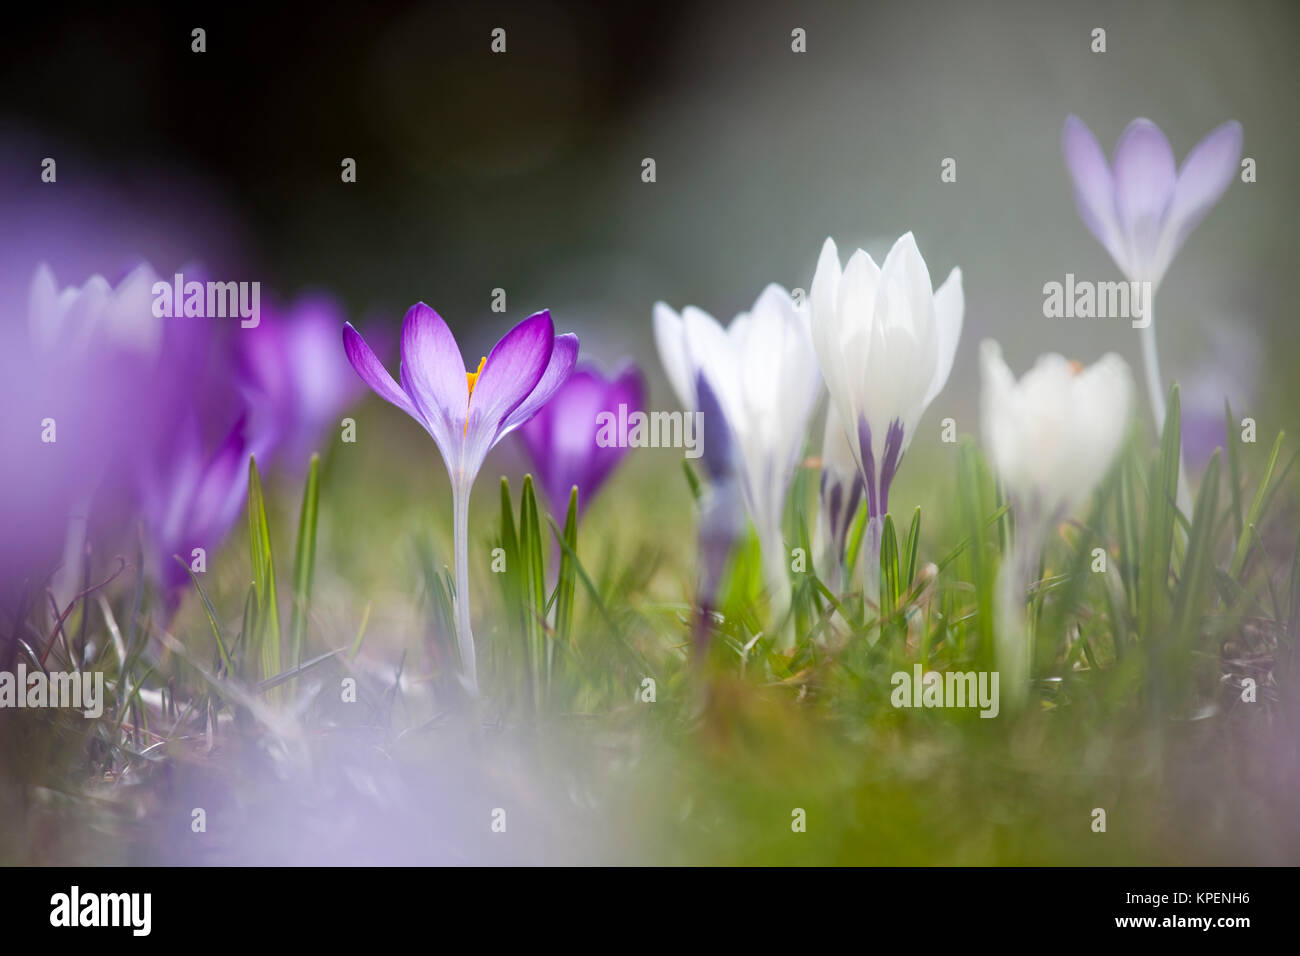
x: 1051, y: 436
x: 886, y: 341
x: 763, y: 371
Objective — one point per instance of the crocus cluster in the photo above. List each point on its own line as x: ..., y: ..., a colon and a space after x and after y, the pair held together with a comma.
x: 881, y: 338
x: 126, y: 419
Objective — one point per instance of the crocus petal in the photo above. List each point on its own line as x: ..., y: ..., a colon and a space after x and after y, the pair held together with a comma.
x: 670, y: 340
x: 1144, y: 185
x: 718, y: 446
x: 374, y: 374
x: 1206, y: 173
x: 949, y: 309
x: 825, y: 320
x: 561, y: 439
x: 433, y: 376
x: 514, y: 367
x: 711, y: 353
x: 222, y: 489
x: 1094, y: 187
x: 564, y: 353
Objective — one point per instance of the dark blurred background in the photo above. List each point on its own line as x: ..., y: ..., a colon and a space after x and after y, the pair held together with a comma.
x: 523, y: 170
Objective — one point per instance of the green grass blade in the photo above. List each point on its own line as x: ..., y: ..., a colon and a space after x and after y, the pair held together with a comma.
x: 888, y: 569
x: 854, y: 545
x: 1158, y: 542
x: 304, y: 562
x: 1263, y: 496
x: 211, y: 615
x: 1234, y: 469
x: 567, y: 581
x: 910, y: 549
x: 267, y: 630
x: 692, y: 480
x: 534, y: 593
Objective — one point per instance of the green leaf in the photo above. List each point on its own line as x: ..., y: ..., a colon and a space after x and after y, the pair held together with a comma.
x: 567, y: 580
x: 910, y: 549
x: 1234, y: 469
x: 361, y: 634
x: 304, y: 562
x: 854, y: 545
x: 534, y: 590
x: 888, y: 570
x: 1263, y: 497
x: 267, y: 629
x: 1196, y: 584
x: 1158, y: 541
x: 692, y: 479
x: 211, y: 614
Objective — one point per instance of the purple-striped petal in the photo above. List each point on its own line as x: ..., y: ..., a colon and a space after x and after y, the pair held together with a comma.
x: 514, y: 367
x: 564, y: 354
x: 433, y: 376
x: 374, y: 374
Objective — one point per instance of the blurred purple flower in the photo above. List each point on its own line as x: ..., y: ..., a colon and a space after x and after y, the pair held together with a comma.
x: 190, y: 499
x: 1139, y: 207
x: 294, y: 378
x: 561, y: 438
x: 525, y: 368
x: 80, y: 394
x: 1231, y: 375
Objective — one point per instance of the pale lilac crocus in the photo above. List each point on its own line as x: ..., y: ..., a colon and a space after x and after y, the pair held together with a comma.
x: 563, y: 440
x: 467, y: 413
x: 1142, y: 209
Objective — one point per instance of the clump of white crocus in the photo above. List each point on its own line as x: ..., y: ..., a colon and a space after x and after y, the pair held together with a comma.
x: 1051, y: 436
x: 763, y: 372
x: 886, y: 341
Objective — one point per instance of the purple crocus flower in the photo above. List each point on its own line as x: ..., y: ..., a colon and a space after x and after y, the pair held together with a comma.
x: 294, y: 378
x: 190, y: 499
x: 1142, y: 209
x: 467, y: 413
x: 561, y: 439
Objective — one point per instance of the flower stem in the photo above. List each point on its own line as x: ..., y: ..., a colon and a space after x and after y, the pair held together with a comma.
x: 464, y: 636
x: 1155, y: 388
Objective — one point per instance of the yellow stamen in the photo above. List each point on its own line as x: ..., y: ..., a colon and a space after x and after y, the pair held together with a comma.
x: 472, y: 377
x: 1075, y: 367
